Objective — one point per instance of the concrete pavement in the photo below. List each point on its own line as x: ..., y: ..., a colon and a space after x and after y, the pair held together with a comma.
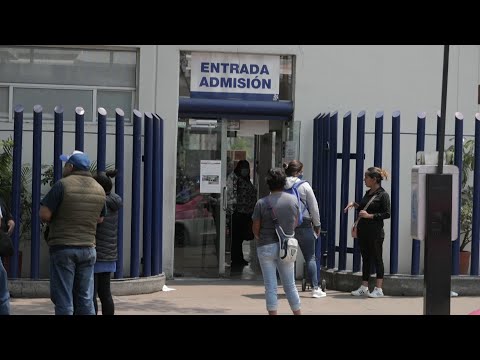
x: 243, y: 297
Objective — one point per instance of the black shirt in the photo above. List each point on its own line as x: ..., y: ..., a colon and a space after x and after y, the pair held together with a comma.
x: 380, y: 208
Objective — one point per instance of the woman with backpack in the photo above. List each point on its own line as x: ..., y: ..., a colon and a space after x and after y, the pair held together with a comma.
x: 304, y: 232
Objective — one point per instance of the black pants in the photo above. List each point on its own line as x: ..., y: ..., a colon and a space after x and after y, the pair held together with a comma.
x: 102, y: 288
x: 371, y: 248
x: 239, y: 228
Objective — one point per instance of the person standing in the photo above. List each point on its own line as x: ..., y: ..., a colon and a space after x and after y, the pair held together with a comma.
x: 4, y: 293
x: 370, y: 229
x: 286, y: 209
x: 106, y: 245
x: 73, y: 207
x: 305, y: 233
x: 242, y: 197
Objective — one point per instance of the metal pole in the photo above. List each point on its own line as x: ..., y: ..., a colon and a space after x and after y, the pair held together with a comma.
x: 101, y: 139
x: 57, y: 143
x: 36, y: 185
x: 136, y: 162
x: 119, y: 184
x: 79, y: 128
x: 342, y: 248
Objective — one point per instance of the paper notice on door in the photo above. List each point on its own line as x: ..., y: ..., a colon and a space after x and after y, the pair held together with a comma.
x: 290, y: 150
x: 210, y: 171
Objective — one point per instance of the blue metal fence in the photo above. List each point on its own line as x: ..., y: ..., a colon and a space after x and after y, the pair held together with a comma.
x: 153, y: 178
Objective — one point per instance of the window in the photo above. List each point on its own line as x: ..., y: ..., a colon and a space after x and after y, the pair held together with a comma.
x: 3, y: 103
x: 70, y: 77
x: 110, y: 100
x: 49, y: 98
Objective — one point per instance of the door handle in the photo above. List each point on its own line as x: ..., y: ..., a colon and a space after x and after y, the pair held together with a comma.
x: 224, y: 198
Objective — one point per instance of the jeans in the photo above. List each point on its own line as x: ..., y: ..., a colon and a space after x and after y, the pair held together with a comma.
x: 268, y: 259
x: 71, y: 279
x: 4, y: 293
x: 306, y: 240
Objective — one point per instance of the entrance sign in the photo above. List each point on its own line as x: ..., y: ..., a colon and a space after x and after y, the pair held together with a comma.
x: 235, y: 76
x: 210, y: 171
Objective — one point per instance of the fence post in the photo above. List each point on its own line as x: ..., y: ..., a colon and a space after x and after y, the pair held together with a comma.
x: 333, y: 189
x: 157, y: 188
x: 476, y: 200
x: 36, y: 177
x: 459, y: 163
x: 395, y: 176
x: 415, y: 266
x: 377, y: 156
x: 101, y: 139
x: 147, y: 194
x: 360, y: 152
x: 136, y: 162
x: 79, y: 128
x: 342, y: 248
x: 16, y: 186
x: 119, y: 184
x: 57, y: 143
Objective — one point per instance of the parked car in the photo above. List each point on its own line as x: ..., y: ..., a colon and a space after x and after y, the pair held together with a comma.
x: 194, y: 222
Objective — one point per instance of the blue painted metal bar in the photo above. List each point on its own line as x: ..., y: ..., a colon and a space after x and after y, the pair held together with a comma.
x: 438, y: 134
x: 359, y: 173
x: 155, y: 193
x: 315, y: 183
x: 101, y: 139
x: 333, y: 189
x: 347, y: 129
x: 377, y: 156
x: 160, y: 195
x: 458, y: 161
x: 147, y: 194
x: 324, y: 184
x: 319, y: 174
x: 16, y: 182
x: 415, y: 266
x: 36, y: 194
x: 157, y: 219
x: 136, y: 164
x: 315, y: 156
x: 79, y: 128
x: 249, y: 107
x: 395, y: 206
x: 57, y: 143
x: 476, y: 201
x: 119, y: 183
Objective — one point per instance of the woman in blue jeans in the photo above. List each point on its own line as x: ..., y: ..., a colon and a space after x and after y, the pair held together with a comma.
x: 286, y: 209
x: 304, y: 233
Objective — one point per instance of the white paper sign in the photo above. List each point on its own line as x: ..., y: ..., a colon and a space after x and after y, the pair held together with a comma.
x: 210, y: 171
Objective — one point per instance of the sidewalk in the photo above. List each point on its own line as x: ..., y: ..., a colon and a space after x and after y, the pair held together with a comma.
x: 241, y: 297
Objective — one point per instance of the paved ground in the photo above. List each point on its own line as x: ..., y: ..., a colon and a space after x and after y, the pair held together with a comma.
x: 228, y: 297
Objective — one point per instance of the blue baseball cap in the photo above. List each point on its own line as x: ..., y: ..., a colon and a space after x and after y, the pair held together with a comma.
x: 78, y: 159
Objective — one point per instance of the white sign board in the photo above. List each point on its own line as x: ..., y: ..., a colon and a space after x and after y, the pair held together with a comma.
x: 210, y: 171
x: 235, y: 76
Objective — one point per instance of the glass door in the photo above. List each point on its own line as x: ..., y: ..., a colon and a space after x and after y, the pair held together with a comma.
x: 201, y: 161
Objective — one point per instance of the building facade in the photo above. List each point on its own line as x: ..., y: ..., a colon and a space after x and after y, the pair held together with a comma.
x: 204, y: 138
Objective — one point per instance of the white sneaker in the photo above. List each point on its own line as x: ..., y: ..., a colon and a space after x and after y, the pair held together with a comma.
x: 376, y: 293
x: 361, y: 291
x: 318, y: 293
x: 453, y: 294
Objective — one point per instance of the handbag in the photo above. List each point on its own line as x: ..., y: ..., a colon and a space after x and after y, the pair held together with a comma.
x: 288, y: 244
x: 354, y: 226
x: 6, y: 245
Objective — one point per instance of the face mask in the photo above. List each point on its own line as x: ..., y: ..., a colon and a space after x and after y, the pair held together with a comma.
x: 300, y: 176
x: 244, y: 172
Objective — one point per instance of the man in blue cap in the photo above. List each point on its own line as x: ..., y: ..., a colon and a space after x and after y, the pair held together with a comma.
x: 73, y: 207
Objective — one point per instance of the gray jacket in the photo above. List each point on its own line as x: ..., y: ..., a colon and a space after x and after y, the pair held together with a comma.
x: 107, y: 231
x: 308, y: 197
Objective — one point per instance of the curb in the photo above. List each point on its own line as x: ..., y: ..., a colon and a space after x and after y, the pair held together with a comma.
x: 28, y: 288
x: 397, y: 285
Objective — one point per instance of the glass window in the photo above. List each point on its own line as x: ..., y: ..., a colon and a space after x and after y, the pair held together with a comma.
x: 68, y: 66
x: 49, y: 98
x: 110, y: 100
x: 4, y: 103
x: 286, y: 75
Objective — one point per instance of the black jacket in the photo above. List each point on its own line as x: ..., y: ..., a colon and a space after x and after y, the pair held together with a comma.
x: 107, y: 231
x: 380, y: 208
x: 7, y: 215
